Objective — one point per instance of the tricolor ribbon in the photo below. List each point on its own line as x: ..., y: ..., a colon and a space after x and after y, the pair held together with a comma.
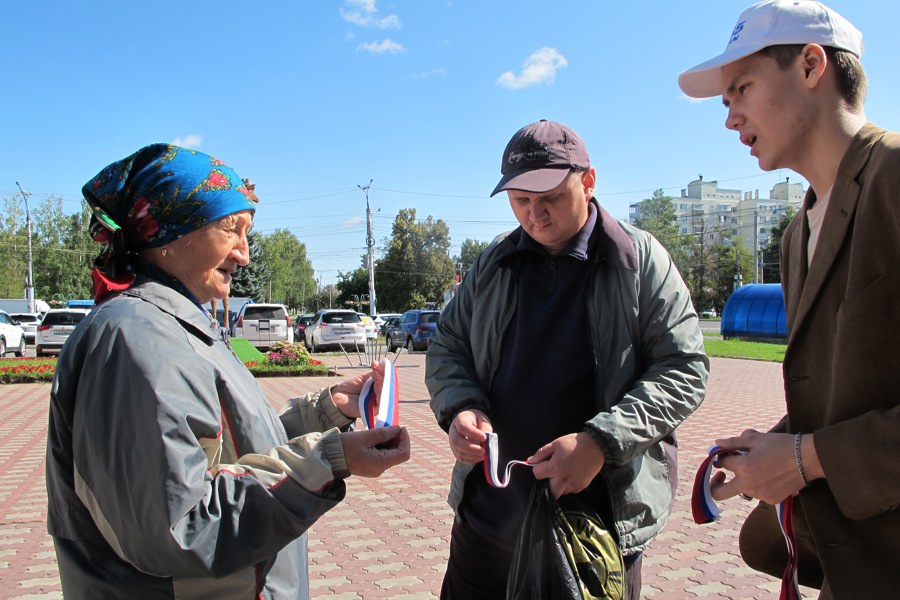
x: 384, y: 410
x: 704, y: 510
x: 491, y: 456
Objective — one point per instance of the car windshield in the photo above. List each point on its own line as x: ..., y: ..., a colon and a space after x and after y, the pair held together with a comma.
x: 257, y: 313
x: 63, y: 318
x: 430, y: 317
x: 340, y: 318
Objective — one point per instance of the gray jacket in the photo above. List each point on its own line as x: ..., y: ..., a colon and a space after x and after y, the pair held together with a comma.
x: 649, y: 362
x: 168, y: 473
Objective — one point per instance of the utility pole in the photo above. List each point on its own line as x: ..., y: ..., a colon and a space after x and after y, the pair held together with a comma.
x: 29, y: 281
x: 370, y: 244
x: 755, y: 246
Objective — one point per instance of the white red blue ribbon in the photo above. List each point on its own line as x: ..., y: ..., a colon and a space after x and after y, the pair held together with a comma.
x: 704, y: 510
x: 382, y: 410
x: 492, y: 456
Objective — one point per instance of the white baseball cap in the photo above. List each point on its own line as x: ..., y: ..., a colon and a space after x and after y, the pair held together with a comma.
x: 772, y: 23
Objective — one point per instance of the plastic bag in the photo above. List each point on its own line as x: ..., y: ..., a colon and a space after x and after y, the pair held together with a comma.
x: 564, y: 552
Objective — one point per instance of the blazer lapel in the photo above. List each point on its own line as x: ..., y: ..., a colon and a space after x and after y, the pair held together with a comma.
x: 796, y: 259
x: 838, y: 218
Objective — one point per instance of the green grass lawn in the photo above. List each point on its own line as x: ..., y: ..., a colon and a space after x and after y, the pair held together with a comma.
x: 246, y: 351
x: 742, y: 349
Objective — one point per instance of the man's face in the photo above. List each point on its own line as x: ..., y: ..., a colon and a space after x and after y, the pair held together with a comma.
x: 768, y: 107
x: 553, y: 218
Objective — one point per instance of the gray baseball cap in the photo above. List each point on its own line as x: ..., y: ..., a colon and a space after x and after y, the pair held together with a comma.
x: 539, y: 156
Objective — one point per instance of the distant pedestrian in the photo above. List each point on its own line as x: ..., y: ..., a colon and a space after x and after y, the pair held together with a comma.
x: 793, y: 85
x: 168, y: 473
x: 574, y: 339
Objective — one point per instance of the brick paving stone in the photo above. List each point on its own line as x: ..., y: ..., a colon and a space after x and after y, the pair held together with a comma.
x: 402, y: 519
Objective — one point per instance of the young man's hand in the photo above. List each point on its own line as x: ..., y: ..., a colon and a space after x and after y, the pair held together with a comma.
x: 467, y: 434
x: 570, y: 463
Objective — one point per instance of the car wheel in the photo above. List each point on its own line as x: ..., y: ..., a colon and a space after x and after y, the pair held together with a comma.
x: 2, y: 347
x: 312, y: 345
x: 20, y: 351
x: 410, y: 345
x: 390, y: 344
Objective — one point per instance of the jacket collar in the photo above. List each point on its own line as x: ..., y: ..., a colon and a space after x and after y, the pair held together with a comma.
x: 610, y: 243
x: 835, y: 227
x: 180, y: 307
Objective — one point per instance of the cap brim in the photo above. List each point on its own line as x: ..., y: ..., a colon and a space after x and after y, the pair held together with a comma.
x: 532, y: 180
x: 705, y: 80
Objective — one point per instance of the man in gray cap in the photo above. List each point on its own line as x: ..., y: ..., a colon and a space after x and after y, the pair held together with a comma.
x: 793, y: 86
x: 572, y: 338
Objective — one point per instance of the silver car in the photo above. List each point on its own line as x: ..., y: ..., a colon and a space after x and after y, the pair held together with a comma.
x: 12, y: 337
x: 341, y: 328
x: 263, y: 324
x: 55, y: 328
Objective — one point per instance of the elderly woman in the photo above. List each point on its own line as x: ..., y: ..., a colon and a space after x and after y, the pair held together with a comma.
x: 168, y: 474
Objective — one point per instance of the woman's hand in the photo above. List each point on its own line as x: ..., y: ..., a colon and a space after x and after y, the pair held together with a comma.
x: 346, y: 394
x: 371, y: 452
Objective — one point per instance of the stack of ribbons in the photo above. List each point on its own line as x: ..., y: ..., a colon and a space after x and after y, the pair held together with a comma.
x: 705, y: 510
x: 491, y: 458
x: 382, y: 410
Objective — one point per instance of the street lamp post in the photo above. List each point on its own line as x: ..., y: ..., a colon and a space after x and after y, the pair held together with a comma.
x: 370, y: 245
x: 29, y: 281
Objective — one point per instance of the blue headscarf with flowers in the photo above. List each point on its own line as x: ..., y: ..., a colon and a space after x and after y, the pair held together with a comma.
x: 157, y: 195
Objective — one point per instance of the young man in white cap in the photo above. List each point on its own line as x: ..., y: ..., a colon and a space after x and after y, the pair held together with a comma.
x: 572, y: 338
x: 792, y: 83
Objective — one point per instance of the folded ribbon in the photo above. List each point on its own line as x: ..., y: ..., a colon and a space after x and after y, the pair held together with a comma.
x: 704, y: 510
x: 491, y: 456
x: 387, y: 404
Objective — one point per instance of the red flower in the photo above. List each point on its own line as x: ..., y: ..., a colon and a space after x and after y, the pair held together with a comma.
x: 217, y: 181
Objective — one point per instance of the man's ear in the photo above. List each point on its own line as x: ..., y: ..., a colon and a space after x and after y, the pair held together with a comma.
x: 812, y: 61
x: 589, y: 180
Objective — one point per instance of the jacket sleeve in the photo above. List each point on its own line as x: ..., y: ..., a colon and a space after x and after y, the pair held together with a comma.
x: 673, y: 366
x: 315, y: 411
x: 149, y: 435
x: 450, y: 374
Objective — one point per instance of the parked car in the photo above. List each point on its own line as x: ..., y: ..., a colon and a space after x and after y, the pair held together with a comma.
x: 55, y: 328
x: 709, y: 313
x: 381, y: 319
x: 335, y: 328
x: 300, y: 325
x: 28, y: 322
x: 389, y: 325
x: 12, y: 337
x: 368, y: 325
x: 263, y: 324
x: 414, y: 331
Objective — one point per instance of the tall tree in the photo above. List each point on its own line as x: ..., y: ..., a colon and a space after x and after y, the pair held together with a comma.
x: 291, y: 271
x: 468, y: 252
x: 416, y: 268
x: 353, y: 289
x: 12, y: 249
x: 252, y: 281
x: 657, y: 216
x: 771, y: 268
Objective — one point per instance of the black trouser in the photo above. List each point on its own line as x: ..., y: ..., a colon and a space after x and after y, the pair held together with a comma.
x: 478, y: 568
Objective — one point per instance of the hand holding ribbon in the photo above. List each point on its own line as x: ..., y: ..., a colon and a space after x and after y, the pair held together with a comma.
x: 381, y: 409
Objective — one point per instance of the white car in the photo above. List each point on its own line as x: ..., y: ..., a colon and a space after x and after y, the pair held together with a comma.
x: 383, y: 318
x: 341, y: 328
x: 368, y: 325
x: 263, y: 324
x: 55, y: 328
x: 12, y: 337
x: 29, y: 322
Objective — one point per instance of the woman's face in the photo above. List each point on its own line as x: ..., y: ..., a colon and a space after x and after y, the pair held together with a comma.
x: 204, y: 260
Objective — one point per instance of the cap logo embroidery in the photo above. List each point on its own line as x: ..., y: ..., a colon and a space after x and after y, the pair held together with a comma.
x: 537, y: 153
x: 737, y: 32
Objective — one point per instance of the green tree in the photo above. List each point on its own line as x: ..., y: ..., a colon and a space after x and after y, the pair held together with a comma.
x: 771, y: 269
x: 291, y: 272
x: 657, y: 216
x: 13, y: 249
x: 416, y: 268
x: 252, y: 281
x: 352, y: 288
x: 62, y: 251
x: 468, y: 252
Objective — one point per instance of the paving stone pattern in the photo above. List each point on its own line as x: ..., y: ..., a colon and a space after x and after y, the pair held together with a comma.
x: 390, y: 537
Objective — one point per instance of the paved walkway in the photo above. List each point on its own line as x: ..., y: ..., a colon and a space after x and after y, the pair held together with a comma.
x: 389, y: 539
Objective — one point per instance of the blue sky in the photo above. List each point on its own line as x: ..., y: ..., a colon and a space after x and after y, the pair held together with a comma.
x: 311, y: 99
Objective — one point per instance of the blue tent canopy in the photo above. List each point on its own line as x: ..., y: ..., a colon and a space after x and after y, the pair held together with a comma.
x: 755, y: 311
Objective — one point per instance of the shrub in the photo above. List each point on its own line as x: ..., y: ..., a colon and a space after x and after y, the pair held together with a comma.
x: 288, y: 355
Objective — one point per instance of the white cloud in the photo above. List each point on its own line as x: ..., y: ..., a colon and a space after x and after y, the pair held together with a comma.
x: 192, y: 140
x: 352, y: 222
x: 430, y: 73
x: 540, y: 67
x: 385, y: 45
x: 365, y: 14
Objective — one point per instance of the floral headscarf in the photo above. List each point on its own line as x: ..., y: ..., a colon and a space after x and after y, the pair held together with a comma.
x: 157, y: 195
